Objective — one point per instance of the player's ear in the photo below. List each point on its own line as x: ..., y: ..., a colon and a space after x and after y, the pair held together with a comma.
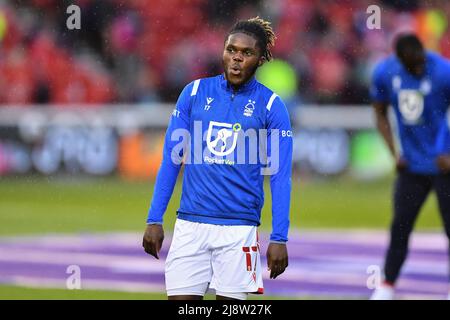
x: 261, y: 61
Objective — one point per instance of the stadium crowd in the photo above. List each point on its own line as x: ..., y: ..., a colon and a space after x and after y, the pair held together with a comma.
x: 140, y: 51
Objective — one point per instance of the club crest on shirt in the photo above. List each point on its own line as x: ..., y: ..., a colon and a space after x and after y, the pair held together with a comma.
x: 249, y: 107
x: 425, y: 87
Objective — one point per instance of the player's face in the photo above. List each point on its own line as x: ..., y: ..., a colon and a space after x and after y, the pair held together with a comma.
x: 414, y: 62
x: 241, y: 58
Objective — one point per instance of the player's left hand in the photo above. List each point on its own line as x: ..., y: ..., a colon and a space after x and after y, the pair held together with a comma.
x: 277, y: 259
x: 443, y: 163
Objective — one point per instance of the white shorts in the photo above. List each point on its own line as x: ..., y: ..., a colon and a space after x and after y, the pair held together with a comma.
x: 223, y: 258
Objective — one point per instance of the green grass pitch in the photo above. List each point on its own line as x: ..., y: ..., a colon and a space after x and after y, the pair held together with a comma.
x: 61, y: 205
x: 36, y: 205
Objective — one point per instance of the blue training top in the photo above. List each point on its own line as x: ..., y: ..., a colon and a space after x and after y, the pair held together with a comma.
x: 229, y: 140
x: 420, y: 105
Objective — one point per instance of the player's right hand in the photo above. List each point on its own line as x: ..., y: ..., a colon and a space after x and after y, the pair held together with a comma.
x: 400, y: 164
x: 443, y: 163
x: 153, y: 239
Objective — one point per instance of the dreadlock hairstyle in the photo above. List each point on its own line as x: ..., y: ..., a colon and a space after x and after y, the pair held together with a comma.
x: 261, y: 30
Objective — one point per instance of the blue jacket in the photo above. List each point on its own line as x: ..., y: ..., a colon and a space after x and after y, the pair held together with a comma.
x: 228, y: 140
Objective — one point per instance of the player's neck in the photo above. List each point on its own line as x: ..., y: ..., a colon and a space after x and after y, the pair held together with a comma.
x: 236, y: 88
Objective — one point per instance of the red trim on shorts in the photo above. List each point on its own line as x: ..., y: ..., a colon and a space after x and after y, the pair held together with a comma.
x: 248, y: 258
x: 257, y: 240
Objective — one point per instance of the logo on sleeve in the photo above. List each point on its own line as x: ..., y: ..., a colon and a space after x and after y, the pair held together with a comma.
x: 176, y: 113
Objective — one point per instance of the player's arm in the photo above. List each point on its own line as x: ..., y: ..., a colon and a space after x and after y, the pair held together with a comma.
x: 443, y: 163
x: 443, y: 139
x: 443, y: 148
x: 384, y: 126
x: 174, y: 146
x: 380, y: 97
x: 280, y: 154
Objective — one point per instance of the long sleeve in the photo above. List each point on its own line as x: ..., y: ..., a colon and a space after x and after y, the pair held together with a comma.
x: 442, y: 144
x: 378, y: 89
x: 279, y: 146
x: 175, y: 142
x: 443, y: 139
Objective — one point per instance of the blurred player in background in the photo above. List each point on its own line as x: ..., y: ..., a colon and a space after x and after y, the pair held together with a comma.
x: 417, y: 85
x: 215, y: 242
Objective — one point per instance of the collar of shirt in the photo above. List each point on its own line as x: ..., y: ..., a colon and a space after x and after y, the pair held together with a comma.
x: 249, y: 85
x: 429, y: 64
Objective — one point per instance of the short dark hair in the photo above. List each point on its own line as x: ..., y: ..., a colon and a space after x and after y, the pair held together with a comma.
x: 259, y: 29
x: 406, y: 43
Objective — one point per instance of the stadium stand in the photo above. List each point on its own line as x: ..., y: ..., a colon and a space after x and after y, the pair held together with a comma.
x: 137, y: 52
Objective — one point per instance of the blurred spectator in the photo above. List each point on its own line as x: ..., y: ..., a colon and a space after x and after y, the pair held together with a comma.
x: 142, y: 52
x: 281, y: 78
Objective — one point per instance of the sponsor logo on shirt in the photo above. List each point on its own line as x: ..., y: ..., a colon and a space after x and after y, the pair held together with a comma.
x: 411, y: 105
x: 224, y: 140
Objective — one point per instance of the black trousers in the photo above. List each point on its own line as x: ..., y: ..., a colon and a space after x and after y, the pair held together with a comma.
x: 411, y: 191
